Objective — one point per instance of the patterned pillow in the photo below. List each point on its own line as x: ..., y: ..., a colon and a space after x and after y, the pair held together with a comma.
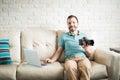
x: 5, y: 52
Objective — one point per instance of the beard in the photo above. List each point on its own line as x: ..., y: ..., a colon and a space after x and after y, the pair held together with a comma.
x: 72, y: 28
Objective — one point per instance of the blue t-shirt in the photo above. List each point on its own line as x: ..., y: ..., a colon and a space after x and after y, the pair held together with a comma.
x: 71, y: 44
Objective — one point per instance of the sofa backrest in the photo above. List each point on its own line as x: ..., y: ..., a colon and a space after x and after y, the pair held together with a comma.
x: 43, y: 41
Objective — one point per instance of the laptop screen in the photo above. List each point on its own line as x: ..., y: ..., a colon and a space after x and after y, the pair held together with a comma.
x: 32, y: 58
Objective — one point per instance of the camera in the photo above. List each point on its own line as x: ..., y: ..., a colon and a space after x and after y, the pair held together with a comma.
x: 86, y: 41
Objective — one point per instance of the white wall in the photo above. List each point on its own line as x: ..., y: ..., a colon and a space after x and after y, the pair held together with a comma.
x: 99, y: 17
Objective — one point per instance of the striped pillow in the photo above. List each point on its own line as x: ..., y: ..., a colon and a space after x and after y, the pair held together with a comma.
x: 5, y: 52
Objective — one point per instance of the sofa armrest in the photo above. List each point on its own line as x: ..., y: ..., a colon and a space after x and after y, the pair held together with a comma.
x: 119, y: 66
x: 110, y: 59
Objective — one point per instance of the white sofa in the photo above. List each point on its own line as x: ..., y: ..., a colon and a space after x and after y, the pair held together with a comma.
x: 119, y: 66
x: 45, y: 43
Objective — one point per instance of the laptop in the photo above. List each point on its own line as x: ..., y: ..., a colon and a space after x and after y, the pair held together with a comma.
x: 32, y: 58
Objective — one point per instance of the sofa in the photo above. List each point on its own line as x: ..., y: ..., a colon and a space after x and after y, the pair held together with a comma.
x: 119, y: 66
x: 104, y: 63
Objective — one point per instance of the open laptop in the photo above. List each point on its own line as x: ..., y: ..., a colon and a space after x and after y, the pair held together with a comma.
x: 32, y: 58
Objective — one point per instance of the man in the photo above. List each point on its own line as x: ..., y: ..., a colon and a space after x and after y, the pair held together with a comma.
x: 77, y: 65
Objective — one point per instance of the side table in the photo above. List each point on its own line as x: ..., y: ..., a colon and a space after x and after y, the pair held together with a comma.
x: 115, y: 49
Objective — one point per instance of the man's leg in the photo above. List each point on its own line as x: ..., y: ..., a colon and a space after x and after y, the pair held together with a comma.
x: 71, y: 69
x: 84, y: 67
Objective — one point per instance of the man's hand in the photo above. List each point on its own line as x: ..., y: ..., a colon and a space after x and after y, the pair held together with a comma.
x: 48, y: 60
x: 84, y: 44
x: 90, y: 50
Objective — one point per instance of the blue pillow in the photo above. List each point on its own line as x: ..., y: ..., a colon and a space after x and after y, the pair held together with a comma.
x: 5, y: 52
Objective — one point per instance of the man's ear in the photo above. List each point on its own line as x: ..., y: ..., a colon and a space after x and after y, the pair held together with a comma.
x: 77, y: 24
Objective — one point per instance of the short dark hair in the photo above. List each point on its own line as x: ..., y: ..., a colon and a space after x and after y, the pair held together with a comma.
x: 71, y: 16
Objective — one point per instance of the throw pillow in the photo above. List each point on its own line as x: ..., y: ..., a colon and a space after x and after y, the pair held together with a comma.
x: 5, y: 52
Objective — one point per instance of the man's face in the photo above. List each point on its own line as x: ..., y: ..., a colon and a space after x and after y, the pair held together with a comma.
x: 72, y: 24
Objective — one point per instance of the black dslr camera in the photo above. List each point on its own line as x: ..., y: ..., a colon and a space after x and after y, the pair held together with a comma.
x: 87, y: 41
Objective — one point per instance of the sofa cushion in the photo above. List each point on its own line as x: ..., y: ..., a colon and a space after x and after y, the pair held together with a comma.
x: 4, y: 52
x: 43, y: 41
x: 8, y: 72
x: 98, y: 71
x: 52, y: 71
x: 14, y: 37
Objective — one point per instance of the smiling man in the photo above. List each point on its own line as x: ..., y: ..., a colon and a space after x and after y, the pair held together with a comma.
x: 77, y: 65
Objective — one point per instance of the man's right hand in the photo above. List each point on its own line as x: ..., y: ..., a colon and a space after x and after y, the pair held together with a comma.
x: 48, y: 60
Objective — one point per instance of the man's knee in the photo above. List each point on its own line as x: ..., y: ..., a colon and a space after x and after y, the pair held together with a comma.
x: 84, y: 64
x: 70, y: 64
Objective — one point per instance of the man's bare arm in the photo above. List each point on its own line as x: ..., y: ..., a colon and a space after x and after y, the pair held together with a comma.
x: 55, y: 55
